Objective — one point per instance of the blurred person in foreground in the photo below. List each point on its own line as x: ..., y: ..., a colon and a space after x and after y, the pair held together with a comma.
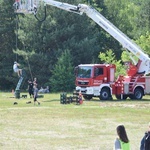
x: 145, y: 142
x: 122, y: 141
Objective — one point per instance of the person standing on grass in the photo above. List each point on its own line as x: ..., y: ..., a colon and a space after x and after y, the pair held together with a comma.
x: 145, y: 142
x: 80, y: 98
x: 35, y: 81
x: 122, y: 141
x: 36, y: 95
x: 30, y: 88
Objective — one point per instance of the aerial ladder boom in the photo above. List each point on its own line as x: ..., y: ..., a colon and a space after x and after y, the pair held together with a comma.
x: 144, y: 60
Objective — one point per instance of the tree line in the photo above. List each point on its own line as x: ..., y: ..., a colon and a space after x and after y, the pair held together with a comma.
x: 50, y: 49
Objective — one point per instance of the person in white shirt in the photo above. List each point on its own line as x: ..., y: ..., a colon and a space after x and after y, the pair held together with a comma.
x: 16, y: 69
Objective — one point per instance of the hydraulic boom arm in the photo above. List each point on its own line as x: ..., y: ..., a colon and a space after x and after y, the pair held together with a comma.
x: 144, y: 63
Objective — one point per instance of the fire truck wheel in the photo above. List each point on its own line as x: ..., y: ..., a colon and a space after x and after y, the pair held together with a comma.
x: 138, y: 93
x: 87, y: 97
x: 105, y: 94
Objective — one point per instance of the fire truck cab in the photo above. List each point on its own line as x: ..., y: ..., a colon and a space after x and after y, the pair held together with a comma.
x: 94, y: 80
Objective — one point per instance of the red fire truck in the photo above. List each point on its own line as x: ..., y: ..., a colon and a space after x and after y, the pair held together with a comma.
x: 98, y: 80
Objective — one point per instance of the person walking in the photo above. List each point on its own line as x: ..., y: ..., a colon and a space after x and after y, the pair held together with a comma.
x: 122, y: 141
x: 36, y: 95
x: 145, y: 142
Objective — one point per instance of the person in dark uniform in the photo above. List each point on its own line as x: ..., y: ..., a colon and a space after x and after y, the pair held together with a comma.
x: 145, y: 142
x: 30, y: 88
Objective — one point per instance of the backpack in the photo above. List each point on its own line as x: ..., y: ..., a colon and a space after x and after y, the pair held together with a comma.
x: 147, y: 141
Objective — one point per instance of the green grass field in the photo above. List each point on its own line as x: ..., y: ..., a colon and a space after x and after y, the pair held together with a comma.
x: 54, y: 126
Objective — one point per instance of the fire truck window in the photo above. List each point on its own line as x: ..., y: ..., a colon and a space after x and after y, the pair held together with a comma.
x: 99, y: 71
x: 84, y: 72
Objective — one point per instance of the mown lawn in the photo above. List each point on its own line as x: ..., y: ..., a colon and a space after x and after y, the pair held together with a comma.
x: 53, y: 126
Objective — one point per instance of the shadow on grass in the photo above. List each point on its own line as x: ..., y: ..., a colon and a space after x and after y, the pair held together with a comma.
x: 97, y: 100
x: 53, y: 100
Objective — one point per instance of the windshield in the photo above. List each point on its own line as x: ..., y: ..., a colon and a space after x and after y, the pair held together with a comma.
x: 84, y: 72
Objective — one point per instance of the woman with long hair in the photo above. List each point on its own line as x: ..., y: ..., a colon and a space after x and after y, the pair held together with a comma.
x: 122, y: 142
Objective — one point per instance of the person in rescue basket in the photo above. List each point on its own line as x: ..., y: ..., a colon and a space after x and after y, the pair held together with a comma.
x: 145, y: 142
x: 122, y: 141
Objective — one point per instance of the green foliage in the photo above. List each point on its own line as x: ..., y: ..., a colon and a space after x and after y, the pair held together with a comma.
x: 125, y: 56
x: 40, y: 68
x: 24, y: 53
x: 144, y: 42
x: 142, y: 22
x: 62, y: 75
x: 110, y: 58
x: 7, y: 38
x: 121, y: 14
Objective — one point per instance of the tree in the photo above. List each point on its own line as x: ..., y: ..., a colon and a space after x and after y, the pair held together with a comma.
x: 144, y: 42
x: 62, y: 78
x: 110, y: 58
x: 142, y: 22
x: 74, y: 32
x: 7, y: 39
